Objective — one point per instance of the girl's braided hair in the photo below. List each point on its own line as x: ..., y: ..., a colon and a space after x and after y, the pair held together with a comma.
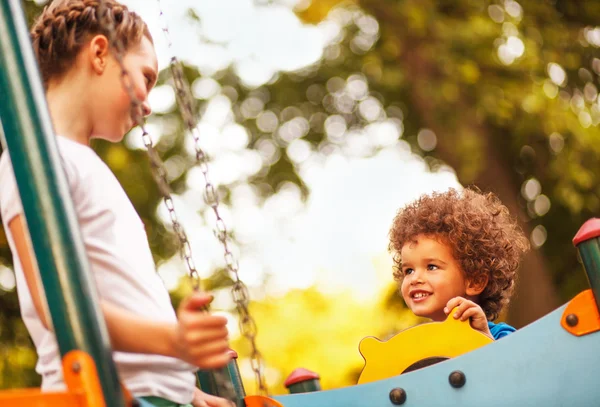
x: 64, y: 26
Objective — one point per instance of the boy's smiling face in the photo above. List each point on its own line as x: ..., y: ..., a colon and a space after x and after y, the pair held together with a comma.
x: 431, y: 277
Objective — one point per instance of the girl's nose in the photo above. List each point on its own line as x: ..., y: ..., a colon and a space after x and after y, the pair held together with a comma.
x: 146, y: 110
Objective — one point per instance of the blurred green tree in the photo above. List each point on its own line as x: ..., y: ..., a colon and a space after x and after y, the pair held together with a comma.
x: 509, y: 90
x: 503, y: 92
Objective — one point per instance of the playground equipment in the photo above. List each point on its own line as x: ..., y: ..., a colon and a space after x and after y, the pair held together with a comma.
x: 552, y: 362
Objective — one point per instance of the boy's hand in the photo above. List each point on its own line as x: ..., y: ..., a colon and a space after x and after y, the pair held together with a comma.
x: 469, y: 310
x: 200, y: 337
x: 202, y: 399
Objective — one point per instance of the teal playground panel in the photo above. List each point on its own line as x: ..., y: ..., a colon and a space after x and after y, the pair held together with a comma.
x: 539, y: 365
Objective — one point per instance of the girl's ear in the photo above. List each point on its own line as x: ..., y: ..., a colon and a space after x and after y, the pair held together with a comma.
x: 475, y: 286
x: 98, y: 53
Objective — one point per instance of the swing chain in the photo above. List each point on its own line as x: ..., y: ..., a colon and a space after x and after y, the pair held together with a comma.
x: 239, y: 289
x: 160, y: 177
x: 158, y: 171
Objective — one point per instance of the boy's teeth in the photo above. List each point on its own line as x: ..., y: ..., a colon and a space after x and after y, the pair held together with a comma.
x: 420, y: 295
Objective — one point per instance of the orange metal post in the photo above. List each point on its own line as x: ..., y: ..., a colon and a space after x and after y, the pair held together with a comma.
x: 83, y: 387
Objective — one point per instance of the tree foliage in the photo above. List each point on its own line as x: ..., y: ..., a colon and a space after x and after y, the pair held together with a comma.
x: 514, y: 123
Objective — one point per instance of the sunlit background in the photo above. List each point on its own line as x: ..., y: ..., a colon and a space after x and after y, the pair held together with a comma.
x: 322, y: 118
x: 355, y: 186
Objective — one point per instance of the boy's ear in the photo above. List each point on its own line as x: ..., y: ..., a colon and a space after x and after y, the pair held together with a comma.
x: 475, y: 286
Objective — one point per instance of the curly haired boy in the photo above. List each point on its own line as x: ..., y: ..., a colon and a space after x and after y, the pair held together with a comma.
x: 457, y: 250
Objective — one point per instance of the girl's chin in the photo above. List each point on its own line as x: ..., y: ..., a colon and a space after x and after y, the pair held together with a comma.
x: 116, y: 137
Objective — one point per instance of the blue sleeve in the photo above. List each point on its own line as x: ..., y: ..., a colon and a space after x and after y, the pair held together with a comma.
x: 500, y: 330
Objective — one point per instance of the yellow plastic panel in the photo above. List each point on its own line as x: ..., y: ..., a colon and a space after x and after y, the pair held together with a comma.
x: 446, y: 339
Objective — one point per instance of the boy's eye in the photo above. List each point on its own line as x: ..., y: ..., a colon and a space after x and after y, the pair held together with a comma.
x: 432, y: 267
x: 408, y: 271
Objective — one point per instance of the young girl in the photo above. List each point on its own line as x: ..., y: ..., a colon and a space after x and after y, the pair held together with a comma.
x: 458, y: 249
x: 156, y: 353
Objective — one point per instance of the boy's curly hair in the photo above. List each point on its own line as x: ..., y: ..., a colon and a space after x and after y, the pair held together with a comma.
x: 64, y: 26
x: 485, y: 240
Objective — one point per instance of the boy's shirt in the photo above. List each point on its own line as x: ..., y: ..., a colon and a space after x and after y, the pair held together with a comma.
x: 500, y: 330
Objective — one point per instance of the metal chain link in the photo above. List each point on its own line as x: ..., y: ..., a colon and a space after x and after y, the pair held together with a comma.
x: 158, y: 171
x: 239, y: 290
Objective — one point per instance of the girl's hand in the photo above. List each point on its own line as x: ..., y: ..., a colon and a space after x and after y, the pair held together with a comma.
x: 200, y: 338
x: 466, y: 309
x: 202, y: 399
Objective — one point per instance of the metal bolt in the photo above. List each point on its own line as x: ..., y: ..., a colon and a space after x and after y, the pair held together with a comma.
x: 457, y: 379
x: 397, y: 396
x: 572, y: 320
x: 76, y: 367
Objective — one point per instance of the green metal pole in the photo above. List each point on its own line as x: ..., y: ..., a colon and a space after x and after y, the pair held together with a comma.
x: 590, y: 256
x: 587, y: 241
x: 209, y: 383
x: 47, y: 204
x: 233, y: 374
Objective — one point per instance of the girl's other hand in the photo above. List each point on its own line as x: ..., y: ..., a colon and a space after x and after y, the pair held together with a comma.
x: 201, y: 338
